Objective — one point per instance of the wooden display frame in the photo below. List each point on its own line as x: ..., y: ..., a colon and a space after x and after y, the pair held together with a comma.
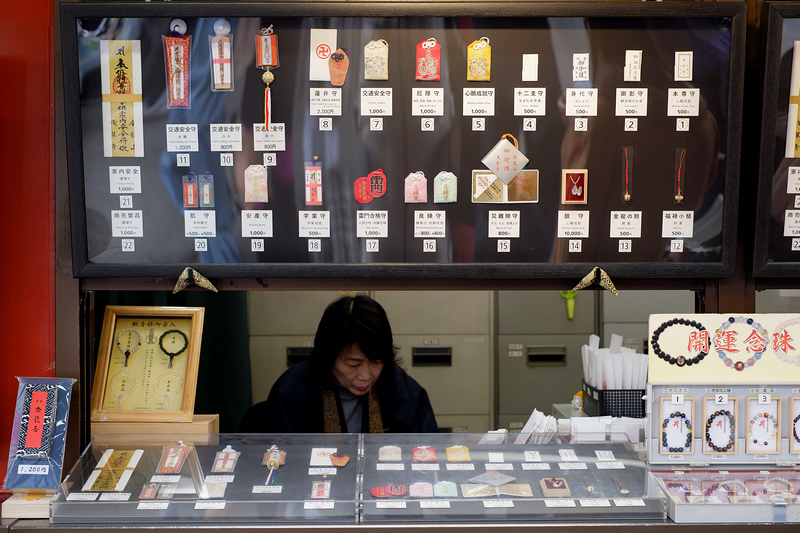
x: 688, y: 411
x: 145, y: 371
x: 772, y: 408
x: 710, y: 405
x: 794, y: 426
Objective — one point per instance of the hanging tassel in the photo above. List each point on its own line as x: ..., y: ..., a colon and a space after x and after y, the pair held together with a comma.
x: 268, y: 78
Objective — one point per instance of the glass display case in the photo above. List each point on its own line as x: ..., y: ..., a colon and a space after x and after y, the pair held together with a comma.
x: 353, y: 479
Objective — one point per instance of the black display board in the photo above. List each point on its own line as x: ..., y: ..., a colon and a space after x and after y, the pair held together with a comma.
x: 650, y: 197
x: 777, y: 235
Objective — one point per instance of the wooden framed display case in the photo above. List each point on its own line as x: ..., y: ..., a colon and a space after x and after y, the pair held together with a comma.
x: 147, y: 364
x: 644, y: 99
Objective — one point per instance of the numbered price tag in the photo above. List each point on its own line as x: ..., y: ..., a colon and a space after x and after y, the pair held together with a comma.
x: 128, y: 245
x: 429, y: 245
x: 478, y: 124
x: 574, y: 246
x: 372, y: 245
x: 325, y: 124
x: 427, y: 124
x: 376, y: 124
x: 226, y: 160
x: 503, y: 245
x: 182, y: 160
x: 529, y: 124
x: 720, y: 399
x: 201, y: 245
x: 764, y: 399
x: 624, y: 246
x: 256, y: 245
x: 314, y: 245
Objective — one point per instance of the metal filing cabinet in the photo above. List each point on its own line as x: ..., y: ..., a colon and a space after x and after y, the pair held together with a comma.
x: 538, y: 351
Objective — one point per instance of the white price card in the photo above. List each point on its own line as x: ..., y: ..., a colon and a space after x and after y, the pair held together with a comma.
x: 427, y: 102
x: 572, y: 466
x: 478, y: 102
x: 581, y: 102
x: 322, y: 471
x: 434, y: 504
x: 390, y: 466
x: 529, y: 101
x: 791, y: 223
x: 629, y: 502
x: 273, y: 140
x: 425, y: 466
x: 677, y: 224
x: 595, y: 502
x: 460, y: 466
x: 499, y: 466
x: 568, y: 455
x: 792, y: 181
x: 82, y: 496
x: 182, y: 138
x: 683, y: 102
x: 325, y: 102
x: 631, y: 102
x: 604, y: 455
x: 376, y: 102
x: 430, y: 224
x: 551, y: 502
x: 127, y: 223
x: 152, y: 506
x: 316, y: 224
x: 256, y: 223
x: 684, y: 65
x: 125, y: 179
x: 209, y: 505
x: 535, y: 466
x: 115, y: 496
x: 610, y: 465
x: 372, y: 224
x: 267, y: 489
x: 626, y: 224
x: 390, y: 505
x: 164, y: 479
x: 504, y: 224
x: 498, y: 504
x: 33, y: 470
x: 573, y: 224
x: 226, y: 137
x: 318, y: 505
x: 197, y: 223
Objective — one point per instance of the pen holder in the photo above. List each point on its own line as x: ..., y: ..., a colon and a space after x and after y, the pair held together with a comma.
x: 617, y: 402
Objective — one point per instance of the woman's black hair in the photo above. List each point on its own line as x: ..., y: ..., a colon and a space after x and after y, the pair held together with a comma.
x: 350, y: 320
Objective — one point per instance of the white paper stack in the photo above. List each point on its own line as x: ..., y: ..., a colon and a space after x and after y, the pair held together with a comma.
x: 615, y: 367
x: 539, y: 429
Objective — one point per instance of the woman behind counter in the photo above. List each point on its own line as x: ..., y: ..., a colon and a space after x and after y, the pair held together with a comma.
x: 351, y: 383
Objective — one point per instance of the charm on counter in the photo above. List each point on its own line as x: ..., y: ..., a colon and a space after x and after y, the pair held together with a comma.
x: 321, y: 489
x: 338, y: 64
x: 172, y: 458
x: 416, y: 188
x: 428, y: 60
x: 554, y: 487
x: 423, y: 454
x: 220, y: 48
x: 479, y: 60
x: 256, y: 184
x: 314, y: 181
x: 388, y: 491
x: 339, y: 459
x: 177, y: 47
x: 272, y: 460
x: 445, y: 489
x: 420, y: 489
x: 149, y: 491
x: 389, y: 453
x: 225, y: 460
x: 376, y: 60
x: 266, y: 60
x: 458, y: 454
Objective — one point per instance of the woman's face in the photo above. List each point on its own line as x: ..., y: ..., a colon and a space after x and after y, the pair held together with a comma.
x: 354, y: 371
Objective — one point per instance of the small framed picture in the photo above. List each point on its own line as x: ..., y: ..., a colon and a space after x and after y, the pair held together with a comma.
x: 147, y: 364
x: 574, y: 186
x: 719, y: 412
x: 677, y: 430
x: 763, y: 432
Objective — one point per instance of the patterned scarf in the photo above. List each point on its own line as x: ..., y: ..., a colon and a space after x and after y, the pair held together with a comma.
x: 332, y: 413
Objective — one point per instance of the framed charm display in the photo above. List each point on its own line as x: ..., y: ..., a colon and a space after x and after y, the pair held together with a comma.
x: 624, y: 93
x: 763, y: 430
x: 147, y: 364
x: 677, y: 425
x: 719, y: 413
x: 794, y: 424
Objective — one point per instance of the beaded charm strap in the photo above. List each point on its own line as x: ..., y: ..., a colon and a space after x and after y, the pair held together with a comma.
x: 679, y: 360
